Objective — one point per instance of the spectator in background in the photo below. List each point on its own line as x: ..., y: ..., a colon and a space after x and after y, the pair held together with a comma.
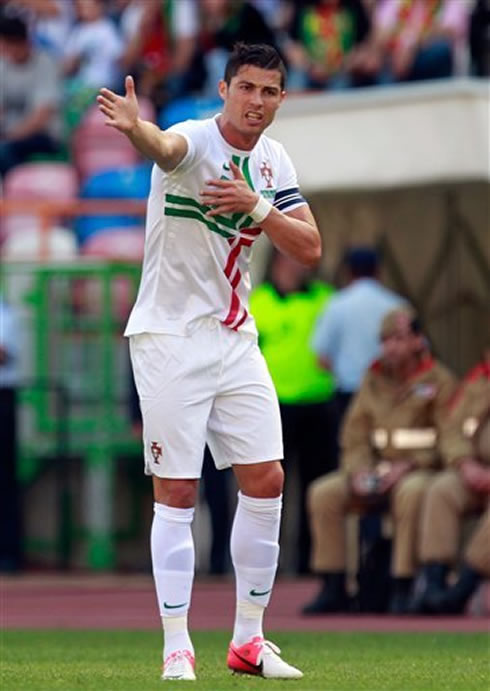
x: 346, y: 342
x: 224, y: 23
x: 160, y: 37
x: 271, y: 10
x: 10, y: 530
x: 346, y: 338
x: 413, y: 40
x: 462, y: 489
x: 93, y: 48
x: 389, y: 453
x: 285, y: 308
x: 49, y: 22
x: 480, y: 38
x: 31, y: 94
x: 91, y: 59
x: 322, y: 35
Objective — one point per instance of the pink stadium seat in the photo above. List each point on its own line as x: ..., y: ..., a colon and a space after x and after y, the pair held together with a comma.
x: 95, y: 156
x: 116, y: 244
x: 44, y: 181
x: 57, y: 181
x: 123, y: 244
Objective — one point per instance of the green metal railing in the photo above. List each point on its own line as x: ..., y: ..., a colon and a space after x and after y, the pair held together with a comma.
x: 76, y: 386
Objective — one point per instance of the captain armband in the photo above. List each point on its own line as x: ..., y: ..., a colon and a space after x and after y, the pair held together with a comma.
x: 261, y: 210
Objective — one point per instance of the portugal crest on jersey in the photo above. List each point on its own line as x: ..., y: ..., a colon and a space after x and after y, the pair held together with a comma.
x: 266, y: 172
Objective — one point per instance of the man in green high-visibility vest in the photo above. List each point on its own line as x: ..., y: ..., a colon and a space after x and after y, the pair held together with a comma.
x: 286, y: 307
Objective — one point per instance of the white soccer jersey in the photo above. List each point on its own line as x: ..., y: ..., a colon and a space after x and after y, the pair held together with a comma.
x: 195, y: 266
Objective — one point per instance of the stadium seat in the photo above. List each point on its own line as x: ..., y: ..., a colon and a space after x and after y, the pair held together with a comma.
x: 57, y: 181
x: 94, y: 152
x: 60, y: 245
x: 37, y: 181
x: 122, y: 183
x: 114, y: 244
x: 123, y: 244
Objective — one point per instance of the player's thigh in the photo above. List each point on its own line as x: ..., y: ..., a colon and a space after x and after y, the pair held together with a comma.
x: 175, y: 392
x: 245, y: 422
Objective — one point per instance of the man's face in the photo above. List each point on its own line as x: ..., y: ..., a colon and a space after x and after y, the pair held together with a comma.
x: 16, y: 51
x: 252, y: 99
x: 288, y: 274
x: 400, y: 345
x: 88, y: 10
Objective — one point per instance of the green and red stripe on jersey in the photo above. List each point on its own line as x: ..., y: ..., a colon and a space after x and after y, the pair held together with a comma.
x: 237, y: 313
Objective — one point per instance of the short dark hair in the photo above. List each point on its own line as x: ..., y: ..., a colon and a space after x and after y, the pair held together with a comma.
x: 12, y: 28
x: 362, y: 261
x: 258, y: 54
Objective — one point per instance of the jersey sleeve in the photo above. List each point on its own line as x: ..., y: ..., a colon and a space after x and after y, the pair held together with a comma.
x: 197, y: 143
x: 288, y: 196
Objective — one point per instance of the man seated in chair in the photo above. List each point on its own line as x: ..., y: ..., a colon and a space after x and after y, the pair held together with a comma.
x: 462, y: 489
x: 389, y: 454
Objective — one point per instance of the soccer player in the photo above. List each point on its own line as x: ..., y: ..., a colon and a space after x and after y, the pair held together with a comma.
x: 216, y: 185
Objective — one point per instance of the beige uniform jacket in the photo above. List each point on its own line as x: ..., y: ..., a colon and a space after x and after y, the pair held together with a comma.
x: 467, y: 429
x: 391, y: 421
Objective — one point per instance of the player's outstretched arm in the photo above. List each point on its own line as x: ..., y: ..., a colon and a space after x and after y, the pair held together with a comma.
x: 167, y: 149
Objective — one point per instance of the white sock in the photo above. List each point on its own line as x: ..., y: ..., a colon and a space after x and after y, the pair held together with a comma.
x: 254, y: 553
x: 176, y: 635
x: 172, y: 553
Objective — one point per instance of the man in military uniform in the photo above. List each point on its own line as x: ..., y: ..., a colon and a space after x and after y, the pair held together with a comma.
x: 461, y: 489
x: 389, y: 453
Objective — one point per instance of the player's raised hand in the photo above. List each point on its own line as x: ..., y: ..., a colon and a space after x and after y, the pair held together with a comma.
x: 229, y: 196
x: 121, y: 111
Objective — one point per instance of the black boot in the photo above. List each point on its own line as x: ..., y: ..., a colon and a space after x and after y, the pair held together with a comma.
x: 400, y: 595
x: 453, y: 600
x: 432, y: 580
x: 332, y: 597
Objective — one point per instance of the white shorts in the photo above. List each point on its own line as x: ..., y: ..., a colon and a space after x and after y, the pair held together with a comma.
x: 210, y: 387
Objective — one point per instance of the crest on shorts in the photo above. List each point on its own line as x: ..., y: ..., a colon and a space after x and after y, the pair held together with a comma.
x: 266, y: 172
x: 156, y: 451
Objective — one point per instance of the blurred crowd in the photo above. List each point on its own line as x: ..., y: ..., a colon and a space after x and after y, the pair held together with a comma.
x: 55, y: 54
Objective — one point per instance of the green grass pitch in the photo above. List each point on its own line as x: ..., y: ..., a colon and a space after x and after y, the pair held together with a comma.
x: 116, y: 660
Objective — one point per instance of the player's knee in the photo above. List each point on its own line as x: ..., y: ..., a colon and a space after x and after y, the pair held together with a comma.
x: 272, y: 482
x: 261, y: 480
x: 181, y: 494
